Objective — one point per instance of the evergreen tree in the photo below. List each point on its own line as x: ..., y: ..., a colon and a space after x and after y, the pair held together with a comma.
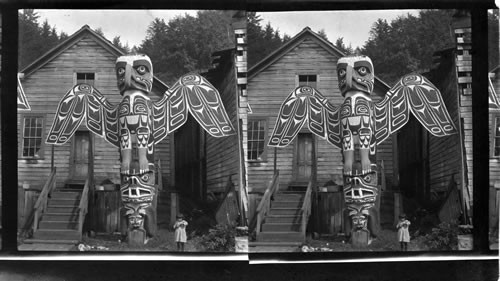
x: 339, y: 44
x: 35, y: 39
x: 261, y: 41
x: 408, y: 43
x: 186, y: 43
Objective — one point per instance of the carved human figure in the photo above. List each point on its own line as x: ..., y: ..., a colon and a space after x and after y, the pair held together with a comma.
x: 134, y: 75
x: 138, y: 194
x: 356, y: 81
x: 360, y: 196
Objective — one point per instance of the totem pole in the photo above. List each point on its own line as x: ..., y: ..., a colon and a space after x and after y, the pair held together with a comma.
x: 357, y: 126
x: 135, y: 125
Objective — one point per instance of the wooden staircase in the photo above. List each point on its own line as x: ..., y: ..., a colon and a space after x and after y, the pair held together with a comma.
x: 282, y: 227
x: 58, y: 228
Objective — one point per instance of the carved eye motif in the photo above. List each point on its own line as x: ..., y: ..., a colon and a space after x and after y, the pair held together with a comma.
x: 367, y: 178
x: 120, y: 71
x: 145, y: 177
x: 142, y: 69
x: 362, y: 70
x: 348, y: 180
x: 126, y: 178
x: 341, y: 72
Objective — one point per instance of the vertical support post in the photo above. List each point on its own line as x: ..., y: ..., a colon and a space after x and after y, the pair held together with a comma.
x: 174, y: 203
x: 52, y: 158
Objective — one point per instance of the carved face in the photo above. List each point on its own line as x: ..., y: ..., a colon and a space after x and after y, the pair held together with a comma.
x: 355, y: 73
x: 138, y: 188
x: 359, y: 221
x: 360, y: 188
x: 134, y: 72
x: 136, y: 214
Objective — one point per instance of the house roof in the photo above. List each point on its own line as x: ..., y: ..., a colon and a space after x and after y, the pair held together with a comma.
x: 85, y: 31
x: 306, y: 33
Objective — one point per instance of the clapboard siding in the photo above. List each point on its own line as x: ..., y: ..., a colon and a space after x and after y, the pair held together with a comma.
x: 223, y: 159
x: 45, y: 87
x: 268, y: 88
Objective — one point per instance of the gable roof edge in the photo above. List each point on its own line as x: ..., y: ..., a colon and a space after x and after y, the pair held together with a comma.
x: 65, y: 45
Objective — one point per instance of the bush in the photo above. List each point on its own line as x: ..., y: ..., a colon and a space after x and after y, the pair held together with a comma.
x: 444, y: 237
x: 219, y: 239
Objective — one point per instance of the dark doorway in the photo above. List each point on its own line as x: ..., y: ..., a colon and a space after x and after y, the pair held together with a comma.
x: 190, y: 160
x: 414, y: 161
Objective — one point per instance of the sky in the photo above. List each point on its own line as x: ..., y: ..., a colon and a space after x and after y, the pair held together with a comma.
x: 353, y: 26
x: 131, y: 25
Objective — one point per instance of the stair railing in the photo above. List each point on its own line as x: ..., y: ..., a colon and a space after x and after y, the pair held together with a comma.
x: 84, y: 205
x: 41, y: 202
x: 306, y: 208
x: 265, y: 203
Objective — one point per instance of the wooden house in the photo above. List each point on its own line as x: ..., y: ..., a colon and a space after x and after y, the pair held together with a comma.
x: 191, y: 163
x: 306, y: 59
x: 444, y: 165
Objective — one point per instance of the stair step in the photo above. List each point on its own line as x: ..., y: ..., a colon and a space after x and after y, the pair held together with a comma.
x: 285, y: 211
x: 65, y: 195
x: 69, y: 217
x: 297, y: 188
x: 292, y: 236
x: 281, y: 227
x: 46, y: 241
x: 286, y: 204
x: 283, y: 219
x: 48, y: 247
x: 62, y: 209
x: 44, y: 224
x: 63, y: 202
x: 289, y: 197
x: 56, y: 234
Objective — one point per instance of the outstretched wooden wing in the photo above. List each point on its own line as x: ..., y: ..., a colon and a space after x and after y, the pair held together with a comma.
x: 413, y: 93
x: 84, y: 102
x: 193, y: 93
x: 306, y: 105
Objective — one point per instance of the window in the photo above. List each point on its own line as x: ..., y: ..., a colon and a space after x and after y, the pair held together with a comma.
x: 496, y: 136
x: 87, y: 78
x: 32, y: 136
x: 257, y: 131
x: 309, y: 80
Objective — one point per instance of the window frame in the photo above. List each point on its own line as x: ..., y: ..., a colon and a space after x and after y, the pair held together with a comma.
x: 75, y: 77
x: 41, y: 151
x: 297, y: 79
x: 494, y: 115
x: 263, y: 155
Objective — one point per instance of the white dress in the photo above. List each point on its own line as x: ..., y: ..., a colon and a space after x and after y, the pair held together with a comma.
x: 403, y: 231
x: 180, y: 231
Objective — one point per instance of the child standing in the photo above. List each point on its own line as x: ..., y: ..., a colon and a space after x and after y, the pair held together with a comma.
x: 403, y: 232
x: 180, y: 232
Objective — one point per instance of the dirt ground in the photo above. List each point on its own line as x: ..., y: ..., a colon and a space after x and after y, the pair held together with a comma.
x: 386, y: 241
x: 163, y: 242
